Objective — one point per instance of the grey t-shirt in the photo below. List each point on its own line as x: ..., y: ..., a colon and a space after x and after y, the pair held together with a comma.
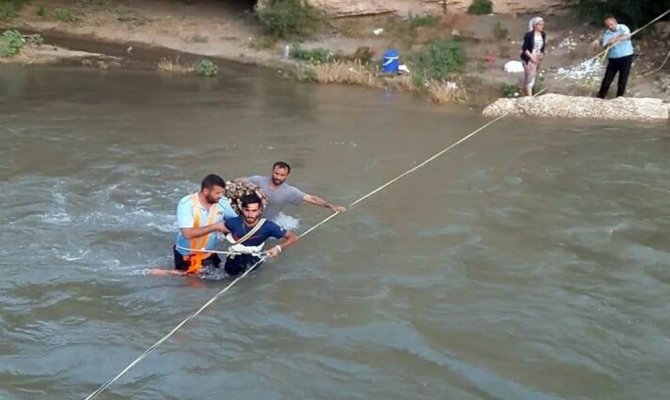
x: 277, y: 197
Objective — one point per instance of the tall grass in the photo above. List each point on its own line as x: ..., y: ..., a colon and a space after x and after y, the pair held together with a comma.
x: 445, y: 93
x: 356, y: 73
x: 353, y: 73
x: 175, y: 66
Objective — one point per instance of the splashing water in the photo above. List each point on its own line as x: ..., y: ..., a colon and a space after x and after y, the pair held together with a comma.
x: 286, y: 221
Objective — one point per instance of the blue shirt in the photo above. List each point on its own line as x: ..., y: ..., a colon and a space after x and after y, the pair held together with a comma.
x: 269, y: 229
x: 186, y: 219
x: 621, y: 49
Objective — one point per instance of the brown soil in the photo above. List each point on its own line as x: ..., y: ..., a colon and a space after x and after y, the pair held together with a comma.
x: 46, y: 54
x: 209, y: 28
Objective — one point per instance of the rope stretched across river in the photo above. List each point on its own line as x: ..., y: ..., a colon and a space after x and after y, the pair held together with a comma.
x: 310, y: 230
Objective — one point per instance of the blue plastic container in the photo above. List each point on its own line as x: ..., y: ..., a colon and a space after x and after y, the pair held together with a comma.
x: 391, y: 61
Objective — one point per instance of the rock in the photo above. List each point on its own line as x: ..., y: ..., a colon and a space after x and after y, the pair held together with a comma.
x: 346, y: 8
x: 508, y: 6
x: 562, y: 106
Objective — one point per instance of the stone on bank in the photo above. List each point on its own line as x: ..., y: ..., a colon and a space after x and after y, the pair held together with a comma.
x: 563, y: 106
x: 350, y: 8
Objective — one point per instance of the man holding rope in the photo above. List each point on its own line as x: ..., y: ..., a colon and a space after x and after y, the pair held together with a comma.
x: 199, y: 217
x: 620, y: 56
x: 248, y: 234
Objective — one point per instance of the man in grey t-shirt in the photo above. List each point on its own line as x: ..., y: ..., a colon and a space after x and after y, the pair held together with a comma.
x: 280, y: 193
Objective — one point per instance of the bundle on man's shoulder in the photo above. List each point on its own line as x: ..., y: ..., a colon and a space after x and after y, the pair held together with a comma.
x: 236, y: 190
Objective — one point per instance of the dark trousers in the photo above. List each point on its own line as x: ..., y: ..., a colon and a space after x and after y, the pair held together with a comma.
x: 183, y: 265
x: 614, y: 65
x: 239, y: 263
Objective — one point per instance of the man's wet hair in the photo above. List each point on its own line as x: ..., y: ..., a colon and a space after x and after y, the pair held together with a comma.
x: 282, y: 165
x: 251, y: 199
x: 609, y: 16
x: 212, y: 180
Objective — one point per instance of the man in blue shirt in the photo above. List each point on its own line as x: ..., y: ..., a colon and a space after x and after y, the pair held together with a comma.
x: 248, y: 234
x: 199, y: 217
x: 617, y: 39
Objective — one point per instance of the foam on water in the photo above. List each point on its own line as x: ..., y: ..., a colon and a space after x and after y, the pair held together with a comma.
x: 70, y: 256
x: 287, y: 222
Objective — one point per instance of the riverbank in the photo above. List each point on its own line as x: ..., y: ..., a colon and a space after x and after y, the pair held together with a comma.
x: 230, y: 32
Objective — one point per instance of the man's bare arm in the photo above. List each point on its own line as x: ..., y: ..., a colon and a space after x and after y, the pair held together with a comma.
x: 289, y: 239
x: 318, y: 201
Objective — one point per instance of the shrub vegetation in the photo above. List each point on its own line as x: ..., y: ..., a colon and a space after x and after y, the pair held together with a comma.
x: 481, y: 7
x: 291, y: 19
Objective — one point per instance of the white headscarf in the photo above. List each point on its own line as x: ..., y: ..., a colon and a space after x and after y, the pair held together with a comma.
x: 534, y: 21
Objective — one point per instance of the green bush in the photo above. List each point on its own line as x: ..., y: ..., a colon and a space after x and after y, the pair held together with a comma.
x: 64, y: 15
x: 7, y: 10
x: 416, y: 21
x: 500, y: 32
x: 11, y: 43
x: 290, y: 19
x: 10, y: 8
x: 480, y: 7
x: 314, y: 56
x: 206, y: 68
x: 41, y: 11
x: 437, y: 60
x: 633, y: 13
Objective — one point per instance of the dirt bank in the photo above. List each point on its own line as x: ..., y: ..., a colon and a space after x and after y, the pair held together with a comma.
x: 228, y: 30
x: 214, y: 29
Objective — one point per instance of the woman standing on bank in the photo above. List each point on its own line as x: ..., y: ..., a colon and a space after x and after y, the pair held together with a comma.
x: 532, y: 52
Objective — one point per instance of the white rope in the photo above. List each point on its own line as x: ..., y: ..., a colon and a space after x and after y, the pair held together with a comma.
x: 228, y: 253
x: 667, y: 57
x: 380, y: 188
x: 173, y: 331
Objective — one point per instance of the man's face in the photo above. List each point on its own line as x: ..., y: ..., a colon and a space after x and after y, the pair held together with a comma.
x: 213, y: 194
x: 610, y: 23
x: 251, y: 213
x: 279, y: 175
